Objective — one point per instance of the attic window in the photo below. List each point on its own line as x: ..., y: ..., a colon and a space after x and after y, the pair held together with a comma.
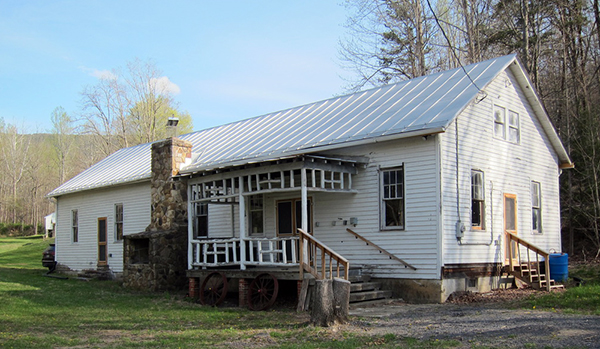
x: 506, y: 128
x: 499, y: 122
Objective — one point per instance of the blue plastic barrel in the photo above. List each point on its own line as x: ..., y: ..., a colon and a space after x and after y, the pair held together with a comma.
x: 559, y: 266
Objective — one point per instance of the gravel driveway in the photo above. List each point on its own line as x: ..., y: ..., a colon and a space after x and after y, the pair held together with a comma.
x: 476, y: 325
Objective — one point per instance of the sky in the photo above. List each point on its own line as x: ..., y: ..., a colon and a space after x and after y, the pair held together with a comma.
x: 225, y: 60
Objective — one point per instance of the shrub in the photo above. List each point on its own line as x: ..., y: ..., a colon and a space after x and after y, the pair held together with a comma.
x: 16, y: 229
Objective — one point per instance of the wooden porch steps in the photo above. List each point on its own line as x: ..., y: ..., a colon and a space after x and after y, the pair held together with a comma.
x: 530, y: 275
x: 363, y: 290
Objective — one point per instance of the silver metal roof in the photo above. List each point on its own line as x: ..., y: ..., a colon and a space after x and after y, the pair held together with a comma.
x: 423, y: 105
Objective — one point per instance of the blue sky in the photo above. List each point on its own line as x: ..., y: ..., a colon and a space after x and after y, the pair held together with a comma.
x: 230, y: 60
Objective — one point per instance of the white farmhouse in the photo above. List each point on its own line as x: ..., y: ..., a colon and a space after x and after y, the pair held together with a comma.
x: 429, y: 186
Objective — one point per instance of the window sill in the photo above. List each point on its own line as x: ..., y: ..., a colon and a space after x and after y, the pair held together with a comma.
x: 392, y: 229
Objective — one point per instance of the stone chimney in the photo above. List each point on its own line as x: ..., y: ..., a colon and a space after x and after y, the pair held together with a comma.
x: 169, y: 195
x: 156, y: 259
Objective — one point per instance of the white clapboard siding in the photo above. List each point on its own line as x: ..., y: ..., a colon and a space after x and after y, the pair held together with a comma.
x: 417, y: 244
x: 507, y: 167
x: 92, y: 205
x: 221, y: 224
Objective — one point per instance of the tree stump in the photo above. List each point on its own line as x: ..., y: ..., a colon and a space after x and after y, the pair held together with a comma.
x: 330, y: 302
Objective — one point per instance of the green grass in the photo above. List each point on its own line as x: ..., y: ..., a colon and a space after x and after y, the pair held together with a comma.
x: 23, y: 252
x: 42, y: 312
x: 575, y: 299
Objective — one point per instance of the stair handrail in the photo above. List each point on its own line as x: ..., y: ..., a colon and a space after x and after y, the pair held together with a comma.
x: 381, y: 250
x: 512, y: 238
x: 308, y: 258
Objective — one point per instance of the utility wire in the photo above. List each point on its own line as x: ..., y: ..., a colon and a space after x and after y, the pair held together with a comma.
x: 437, y: 21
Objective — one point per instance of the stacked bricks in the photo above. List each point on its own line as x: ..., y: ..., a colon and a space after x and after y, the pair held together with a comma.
x: 193, y: 291
x: 243, y: 289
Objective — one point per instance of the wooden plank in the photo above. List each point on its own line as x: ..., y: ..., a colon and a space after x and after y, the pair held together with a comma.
x: 302, y: 296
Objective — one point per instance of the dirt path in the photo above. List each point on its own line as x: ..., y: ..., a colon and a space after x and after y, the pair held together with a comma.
x: 476, y: 325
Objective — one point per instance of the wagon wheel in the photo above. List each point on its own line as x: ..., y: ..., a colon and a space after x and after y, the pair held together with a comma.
x: 213, y: 289
x: 262, y: 292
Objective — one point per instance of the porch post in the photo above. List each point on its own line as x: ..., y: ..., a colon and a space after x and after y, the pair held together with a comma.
x: 242, y: 206
x: 304, y: 195
x: 191, y: 213
x: 304, y: 200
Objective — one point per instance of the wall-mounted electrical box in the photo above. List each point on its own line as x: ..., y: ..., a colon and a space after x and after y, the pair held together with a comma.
x: 460, y: 230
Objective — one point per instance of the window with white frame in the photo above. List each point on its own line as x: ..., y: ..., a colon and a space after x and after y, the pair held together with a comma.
x: 118, y: 222
x: 507, y: 127
x: 514, y: 132
x: 477, y: 200
x: 74, y: 226
x: 536, y: 207
x: 256, y: 214
x: 392, y: 198
x: 200, y: 219
x: 499, y: 122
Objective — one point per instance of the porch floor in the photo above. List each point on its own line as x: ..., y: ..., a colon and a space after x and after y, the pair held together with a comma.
x: 281, y: 273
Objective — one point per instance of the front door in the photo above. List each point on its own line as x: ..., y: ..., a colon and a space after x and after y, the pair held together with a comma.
x: 289, y: 216
x: 510, y: 225
x: 289, y: 219
x: 102, y: 250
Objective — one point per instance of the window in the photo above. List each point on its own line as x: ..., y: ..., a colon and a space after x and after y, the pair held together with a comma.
x: 499, y: 122
x: 477, y: 200
x: 74, y: 226
x: 256, y: 215
x: 200, y: 219
x: 513, y: 127
x: 536, y: 207
x: 118, y: 222
x: 392, y: 198
x: 506, y: 129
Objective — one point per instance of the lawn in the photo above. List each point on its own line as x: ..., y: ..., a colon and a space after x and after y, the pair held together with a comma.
x: 575, y: 299
x: 42, y: 312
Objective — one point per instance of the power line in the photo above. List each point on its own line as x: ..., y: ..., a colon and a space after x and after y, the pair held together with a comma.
x: 437, y: 21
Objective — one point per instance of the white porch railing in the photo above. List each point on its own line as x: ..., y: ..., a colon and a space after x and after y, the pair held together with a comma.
x: 279, y: 251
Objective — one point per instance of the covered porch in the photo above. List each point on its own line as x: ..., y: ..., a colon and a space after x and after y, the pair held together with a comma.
x: 256, y: 219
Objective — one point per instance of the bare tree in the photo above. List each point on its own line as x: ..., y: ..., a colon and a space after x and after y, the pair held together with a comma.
x: 15, y: 158
x: 63, y: 131
x: 389, y: 41
x: 130, y: 107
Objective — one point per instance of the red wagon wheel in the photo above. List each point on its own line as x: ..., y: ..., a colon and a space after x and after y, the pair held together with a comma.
x: 262, y: 292
x: 213, y: 289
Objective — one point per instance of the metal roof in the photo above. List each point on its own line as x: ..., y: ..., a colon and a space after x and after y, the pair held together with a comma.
x: 423, y: 105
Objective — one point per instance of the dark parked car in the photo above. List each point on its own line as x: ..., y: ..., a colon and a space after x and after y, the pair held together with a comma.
x: 48, y: 260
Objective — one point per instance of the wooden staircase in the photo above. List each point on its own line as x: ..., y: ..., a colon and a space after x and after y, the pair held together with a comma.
x: 529, y: 264
x: 364, y: 291
x: 531, y: 274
